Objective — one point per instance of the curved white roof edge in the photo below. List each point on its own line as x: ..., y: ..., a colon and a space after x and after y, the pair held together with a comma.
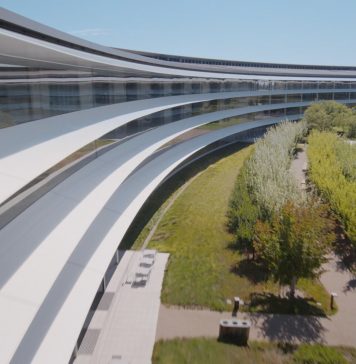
x: 27, y: 49
x: 55, y: 224
x: 85, y: 268
x: 151, y: 57
x: 50, y: 140
x: 53, y: 256
x: 55, y: 33
x: 54, y: 219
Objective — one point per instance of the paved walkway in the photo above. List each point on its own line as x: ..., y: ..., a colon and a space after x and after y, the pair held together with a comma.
x: 339, y: 329
x: 124, y: 323
x: 298, y: 166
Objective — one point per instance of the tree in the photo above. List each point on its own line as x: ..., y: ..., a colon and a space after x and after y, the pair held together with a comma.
x: 293, y: 245
x: 265, y: 182
x: 328, y: 115
x: 351, y: 133
x: 332, y: 171
x: 317, y: 118
x: 242, y: 214
x: 268, y: 170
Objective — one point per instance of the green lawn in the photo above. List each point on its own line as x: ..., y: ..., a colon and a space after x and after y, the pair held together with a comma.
x: 152, y: 209
x: 209, y: 351
x: 193, y: 231
x: 204, y: 268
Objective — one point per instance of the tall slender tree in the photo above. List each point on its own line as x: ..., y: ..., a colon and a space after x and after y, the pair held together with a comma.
x: 294, y: 244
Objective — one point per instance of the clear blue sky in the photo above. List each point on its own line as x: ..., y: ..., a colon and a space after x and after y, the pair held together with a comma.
x: 293, y: 31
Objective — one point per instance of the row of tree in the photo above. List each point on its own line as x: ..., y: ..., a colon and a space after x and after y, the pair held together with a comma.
x: 270, y: 215
x: 269, y: 176
x: 332, y: 168
x: 332, y: 116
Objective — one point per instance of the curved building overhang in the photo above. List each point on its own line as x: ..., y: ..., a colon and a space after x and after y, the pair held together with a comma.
x: 50, y: 140
x: 54, y: 254
x: 35, y: 30
x: 63, y: 51
x: 75, y: 253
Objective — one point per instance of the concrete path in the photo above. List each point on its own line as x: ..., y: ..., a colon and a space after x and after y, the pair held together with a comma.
x: 337, y: 278
x: 124, y: 324
x: 298, y: 167
x: 176, y: 322
x: 339, y: 329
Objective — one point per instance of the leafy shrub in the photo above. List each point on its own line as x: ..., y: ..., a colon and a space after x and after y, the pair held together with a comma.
x: 268, y: 170
x: 329, y: 115
x: 346, y: 157
x: 265, y: 182
x: 243, y: 212
x: 293, y: 245
x: 318, y: 354
x: 333, y: 179
x: 271, y: 215
x: 351, y: 133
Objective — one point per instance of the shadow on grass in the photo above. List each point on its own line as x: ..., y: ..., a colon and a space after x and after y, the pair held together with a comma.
x: 236, y: 245
x: 286, y: 348
x: 165, y: 190
x: 253, y: 270
x: 233, y: 246
x: 270, y: 303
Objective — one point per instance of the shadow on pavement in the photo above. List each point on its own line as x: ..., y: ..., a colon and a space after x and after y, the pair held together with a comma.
x: 344, y: 250
x: 350, y: 286
x: 291, y: 329
x: 270, y: 303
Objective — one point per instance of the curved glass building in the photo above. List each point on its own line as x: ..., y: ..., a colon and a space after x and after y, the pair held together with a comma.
x: 87, y: 133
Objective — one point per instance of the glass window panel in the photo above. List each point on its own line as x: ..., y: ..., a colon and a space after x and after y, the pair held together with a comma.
x: 294, y: 85
x: 277, y: 113
x: 310, y: 85
x: 263, y: 100
x: 310, y: 97
x: 277, y: 99
x: 293, y: 110
x: 177, y: 88
x: 326, y: 85
x: 279, y: 85
x: 342, y: 85
x: 294, y: 98
x: 214, y: 86
x: 325, y: 96
x: 341, y: 96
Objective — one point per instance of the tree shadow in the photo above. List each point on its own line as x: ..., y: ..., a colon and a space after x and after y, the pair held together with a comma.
x: 290, y: 329
x: 253, y: 270
x: 350, y: 286
x: 237, y: 246
x: 344, y: 250
x: 271, y: 303
x: 233, y: 246
x: 297, y: 150
x: 286, y: 348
